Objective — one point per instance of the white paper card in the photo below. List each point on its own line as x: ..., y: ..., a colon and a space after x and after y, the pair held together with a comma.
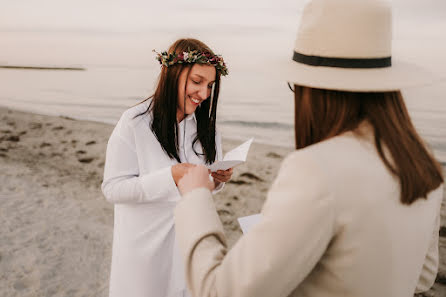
x: 233, y: 158
x: 246, y: 223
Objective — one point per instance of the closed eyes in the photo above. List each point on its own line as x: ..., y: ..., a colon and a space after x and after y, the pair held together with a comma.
x: 199, y: 82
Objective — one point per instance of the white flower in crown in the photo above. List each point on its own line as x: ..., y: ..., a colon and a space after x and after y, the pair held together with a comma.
x: 185, y: 56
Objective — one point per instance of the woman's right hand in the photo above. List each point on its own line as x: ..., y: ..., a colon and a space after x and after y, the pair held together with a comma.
x: 197, y: 177
x: 179, y: 170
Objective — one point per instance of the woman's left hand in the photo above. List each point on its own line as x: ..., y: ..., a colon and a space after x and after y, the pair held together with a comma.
x: 222, y: 176
x: 196, y: 177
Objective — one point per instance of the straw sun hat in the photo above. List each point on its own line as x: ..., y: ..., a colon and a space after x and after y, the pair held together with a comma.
x: 346, y: 45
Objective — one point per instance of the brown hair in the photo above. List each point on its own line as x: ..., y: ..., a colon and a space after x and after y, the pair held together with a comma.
x: 321, y: 114
x: 165, y: 102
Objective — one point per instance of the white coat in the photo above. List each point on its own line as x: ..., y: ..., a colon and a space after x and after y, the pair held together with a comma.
x: 138, y: 181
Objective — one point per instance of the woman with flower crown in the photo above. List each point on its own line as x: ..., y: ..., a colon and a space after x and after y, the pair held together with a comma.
x: 152, y: 146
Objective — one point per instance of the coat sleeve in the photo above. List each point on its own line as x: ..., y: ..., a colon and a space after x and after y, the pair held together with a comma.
x: 122, y: 180
x: 276, y: 255
x: 430, y: 266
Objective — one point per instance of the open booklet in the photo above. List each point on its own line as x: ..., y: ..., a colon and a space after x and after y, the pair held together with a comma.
x: 246, y: 223
x: 232, y: 158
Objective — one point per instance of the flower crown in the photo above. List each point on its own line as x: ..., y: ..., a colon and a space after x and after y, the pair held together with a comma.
x: 194, y: 56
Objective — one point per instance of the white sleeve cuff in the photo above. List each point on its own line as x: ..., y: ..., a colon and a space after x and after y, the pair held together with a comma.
x: 218, y: 189
x: 160, y: 185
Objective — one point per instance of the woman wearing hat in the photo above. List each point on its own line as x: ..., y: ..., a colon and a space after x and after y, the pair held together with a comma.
x: 150, y: 149
x: 354, y: 211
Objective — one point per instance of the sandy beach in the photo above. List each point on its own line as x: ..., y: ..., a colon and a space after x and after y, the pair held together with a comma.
x: 56, y: 226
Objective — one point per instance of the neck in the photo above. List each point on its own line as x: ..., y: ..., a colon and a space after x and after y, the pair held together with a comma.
x: 180, y: 115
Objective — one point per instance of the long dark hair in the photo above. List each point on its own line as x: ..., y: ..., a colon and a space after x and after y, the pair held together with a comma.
x: 321, y: 114
x: 165, y: 103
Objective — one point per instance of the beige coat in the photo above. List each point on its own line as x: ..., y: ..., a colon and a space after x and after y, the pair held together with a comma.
x: 332, y: 225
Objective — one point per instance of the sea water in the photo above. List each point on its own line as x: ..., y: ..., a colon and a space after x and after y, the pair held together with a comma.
x: 121, y: 70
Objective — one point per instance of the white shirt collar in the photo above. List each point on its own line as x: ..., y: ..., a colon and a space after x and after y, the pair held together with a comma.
x: 190, y: 117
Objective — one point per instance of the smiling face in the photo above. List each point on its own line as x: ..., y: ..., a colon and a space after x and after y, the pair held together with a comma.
x: 198, y: 88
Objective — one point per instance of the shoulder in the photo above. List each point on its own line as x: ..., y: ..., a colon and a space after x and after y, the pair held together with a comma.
x: 134, y: 117
x: 136, y: 114
x: 327, y: 151
x: 333, y: 160
x: 313, y: 175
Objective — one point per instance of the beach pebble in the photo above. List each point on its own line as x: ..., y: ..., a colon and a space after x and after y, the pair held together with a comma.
x: 58, y: 128
x: 238, y: 182
x: 85, y: 160
x: 443, y: 231
x: 223, y: 212
x: 274, y: 155
x: 44, y: 144
x: 14, y: 138
x: 251, y: 176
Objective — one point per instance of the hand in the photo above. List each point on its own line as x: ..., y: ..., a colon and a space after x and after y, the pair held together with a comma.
x: 222, y: 176
x: 179, y: 170
x: 196, y: 177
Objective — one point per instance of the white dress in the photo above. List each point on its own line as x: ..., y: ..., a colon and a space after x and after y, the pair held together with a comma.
x: 138, y: 181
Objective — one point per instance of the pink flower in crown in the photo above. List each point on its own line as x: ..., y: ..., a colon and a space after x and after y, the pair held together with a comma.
x: 180, y: 56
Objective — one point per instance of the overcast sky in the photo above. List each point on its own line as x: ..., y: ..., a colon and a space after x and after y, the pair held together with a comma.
x: 138, y: 15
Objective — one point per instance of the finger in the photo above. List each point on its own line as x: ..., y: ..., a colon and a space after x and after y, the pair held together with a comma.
x: 221, y: 179
x: 224, y: 175
x: 218, y: 180
x: 217, y: 175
